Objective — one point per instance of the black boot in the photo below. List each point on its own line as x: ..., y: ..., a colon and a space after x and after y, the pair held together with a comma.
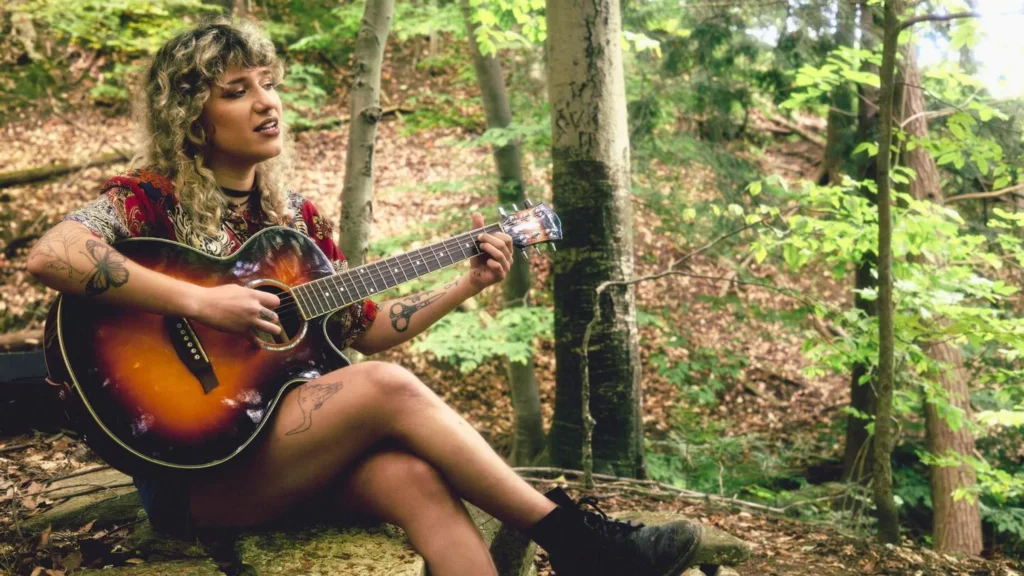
x: 588, y: 543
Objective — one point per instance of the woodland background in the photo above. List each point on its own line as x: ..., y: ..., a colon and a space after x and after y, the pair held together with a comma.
x: 753, y: 366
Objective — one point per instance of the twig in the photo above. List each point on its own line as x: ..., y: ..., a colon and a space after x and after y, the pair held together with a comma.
x: 96, y: 488
x: 936, y: 18
x: 17, y: 447
x: 76, y: 473
x: 588, y: 419
x: 994, y: 194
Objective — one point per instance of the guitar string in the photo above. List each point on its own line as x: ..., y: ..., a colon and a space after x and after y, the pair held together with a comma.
x: 375, y: 274
x: 348, y: 283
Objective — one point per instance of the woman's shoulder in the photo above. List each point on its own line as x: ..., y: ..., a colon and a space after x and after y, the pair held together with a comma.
x: 152, y: 185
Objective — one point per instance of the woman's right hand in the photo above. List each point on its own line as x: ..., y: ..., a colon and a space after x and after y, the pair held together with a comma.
x: 233, y: 308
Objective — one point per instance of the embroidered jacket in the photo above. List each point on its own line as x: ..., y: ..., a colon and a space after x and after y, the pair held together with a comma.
x: 143, y: 204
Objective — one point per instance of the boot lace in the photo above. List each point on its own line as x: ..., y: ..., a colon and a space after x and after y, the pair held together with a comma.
x: 602, y: 523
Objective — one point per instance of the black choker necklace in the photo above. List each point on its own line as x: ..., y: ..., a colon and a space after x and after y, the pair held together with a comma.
x: 231, y: 193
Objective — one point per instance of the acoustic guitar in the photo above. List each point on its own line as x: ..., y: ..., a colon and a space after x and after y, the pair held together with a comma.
x: 153, y: 393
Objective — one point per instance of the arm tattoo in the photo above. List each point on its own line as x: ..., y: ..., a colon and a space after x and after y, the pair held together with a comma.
x: 401, y: 313
x: 310, y: 398
x: 55, y: 249
x: 109, y: 270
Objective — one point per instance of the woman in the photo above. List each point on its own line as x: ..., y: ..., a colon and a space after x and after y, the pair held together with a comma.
x: 209, y: 174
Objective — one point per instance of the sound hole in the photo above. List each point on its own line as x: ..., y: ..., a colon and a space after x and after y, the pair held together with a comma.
x: 287, y: 314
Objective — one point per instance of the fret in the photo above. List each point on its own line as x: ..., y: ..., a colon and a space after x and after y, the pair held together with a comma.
x: 391, y: 268
x: 323, y: 285
x: 377, y: 265
x: 369, y: 275
x: 303, y: 294
x: 298, y: 301
x: 399, y: 266
x: 347, y: 288
x: 316, y: 295
x: 417, y: 262
x: 452, y: 243
x: 361, y: 281
x: 461, y: 243
x: 434, y: 254
x: 447, y: 253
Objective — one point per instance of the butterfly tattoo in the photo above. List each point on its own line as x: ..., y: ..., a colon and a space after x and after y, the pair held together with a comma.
x: 109, y: 271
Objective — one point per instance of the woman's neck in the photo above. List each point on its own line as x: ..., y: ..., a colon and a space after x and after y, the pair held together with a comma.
x: 234, y: 177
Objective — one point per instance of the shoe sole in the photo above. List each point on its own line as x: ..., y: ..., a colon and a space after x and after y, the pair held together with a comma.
x: 688, y: 560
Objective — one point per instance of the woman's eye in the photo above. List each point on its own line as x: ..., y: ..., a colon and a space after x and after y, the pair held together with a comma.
x: 237, y: 94
x: 270, y: 86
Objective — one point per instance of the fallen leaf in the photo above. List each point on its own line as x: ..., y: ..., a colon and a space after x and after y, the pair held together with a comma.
x: 45, y: 536
x: 86, y: 528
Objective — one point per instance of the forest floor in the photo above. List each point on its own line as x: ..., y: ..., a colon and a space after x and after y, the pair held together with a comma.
x: 415, y: 202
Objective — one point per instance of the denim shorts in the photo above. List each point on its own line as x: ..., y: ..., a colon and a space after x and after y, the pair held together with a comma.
x: 167, y: 504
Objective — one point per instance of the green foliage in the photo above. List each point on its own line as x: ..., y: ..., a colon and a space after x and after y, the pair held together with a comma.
x: 468, y: 339
x: 508, y: 24
x: 705, y: 375
x: 302, y: 93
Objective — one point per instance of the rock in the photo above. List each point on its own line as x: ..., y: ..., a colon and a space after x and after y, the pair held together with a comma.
x: 105, y: 495
x: 717, y: 548
x: 109, y: 497
x: 174, y: 568
x: 316, y: 551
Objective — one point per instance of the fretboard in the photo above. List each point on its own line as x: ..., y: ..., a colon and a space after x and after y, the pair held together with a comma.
x: 331, y: 293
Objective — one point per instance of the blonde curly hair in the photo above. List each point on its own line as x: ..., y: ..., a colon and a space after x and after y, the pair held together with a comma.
x: 172, y: 142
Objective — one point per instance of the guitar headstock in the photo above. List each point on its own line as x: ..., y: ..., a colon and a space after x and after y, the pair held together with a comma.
x: 533, y: 225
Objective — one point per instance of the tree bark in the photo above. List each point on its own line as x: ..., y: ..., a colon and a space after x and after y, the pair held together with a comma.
x: 591, y: 183
x: 841, y: 117
x: 858, y: 454
x: 956, y: 524
x: 888, y: 517
x: 357, y: 194
x: 529, y: 431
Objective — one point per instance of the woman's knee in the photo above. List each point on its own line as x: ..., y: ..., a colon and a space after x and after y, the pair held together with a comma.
x: 394, y: 383
x: 401, y: 482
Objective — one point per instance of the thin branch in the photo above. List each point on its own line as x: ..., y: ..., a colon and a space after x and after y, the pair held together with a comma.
x: 994, y: 194
x: 936, y: 18
x: 588, y: 419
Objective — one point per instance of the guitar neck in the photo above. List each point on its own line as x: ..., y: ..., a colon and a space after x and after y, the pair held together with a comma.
x: 325, y: 295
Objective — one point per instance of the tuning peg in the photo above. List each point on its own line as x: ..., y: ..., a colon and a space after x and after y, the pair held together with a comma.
x: 528, y: 203
x: 537, y: 248
x: 516, y: 208
x: 502, y: 212
x: 553, y: 247
x: 525, y: 253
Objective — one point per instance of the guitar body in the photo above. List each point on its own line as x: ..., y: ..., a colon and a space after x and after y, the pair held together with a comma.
x: 151, y: 393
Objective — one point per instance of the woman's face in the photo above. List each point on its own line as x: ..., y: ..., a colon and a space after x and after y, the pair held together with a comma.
x: 242, y: 118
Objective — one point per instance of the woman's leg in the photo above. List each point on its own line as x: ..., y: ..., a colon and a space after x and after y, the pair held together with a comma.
x: 402, y: 489
x: 325, y: 425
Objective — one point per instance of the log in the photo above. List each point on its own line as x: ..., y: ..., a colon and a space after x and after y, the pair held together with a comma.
x: 21, y: 340
x: 30, y: 175
x: 8, y: 179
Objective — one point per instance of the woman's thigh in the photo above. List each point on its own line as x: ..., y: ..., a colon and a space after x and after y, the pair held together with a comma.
x: 319, y: 429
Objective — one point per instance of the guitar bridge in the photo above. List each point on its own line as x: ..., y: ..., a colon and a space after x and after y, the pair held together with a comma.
x: 190, y: 351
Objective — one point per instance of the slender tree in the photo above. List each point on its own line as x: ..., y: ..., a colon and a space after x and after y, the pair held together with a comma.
x: 591, y: 182
x: 956, y: 525
x: 529, y: 431
x: 857, y: 456
x: 888, y: 517
x: 357, y: 194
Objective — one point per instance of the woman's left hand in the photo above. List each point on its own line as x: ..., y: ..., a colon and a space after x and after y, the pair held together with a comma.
x: 493, y: 265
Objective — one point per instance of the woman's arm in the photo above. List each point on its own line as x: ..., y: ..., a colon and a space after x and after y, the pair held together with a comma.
x: 401, y: 319
x: 70, y: 259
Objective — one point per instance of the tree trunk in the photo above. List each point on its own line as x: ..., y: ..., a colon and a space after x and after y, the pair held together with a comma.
x: 357, y: 194
x: 956, y: 524
x: 591, y: 183
x: 888, y: 517
x: 858, y: 453
x: 841, y: 116
x: 529, y: 430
